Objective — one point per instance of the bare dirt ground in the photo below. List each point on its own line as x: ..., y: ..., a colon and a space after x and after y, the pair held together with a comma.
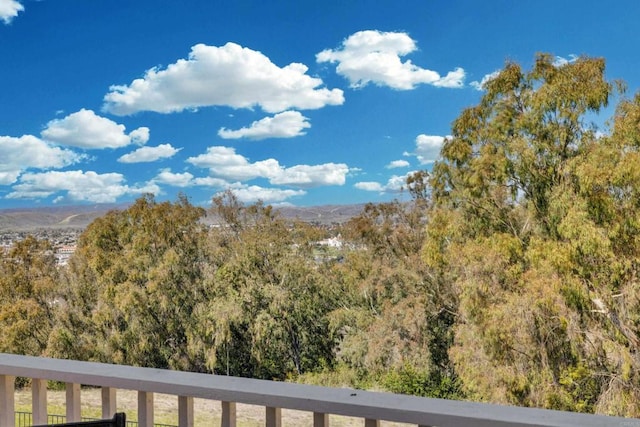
x: 207, y: 412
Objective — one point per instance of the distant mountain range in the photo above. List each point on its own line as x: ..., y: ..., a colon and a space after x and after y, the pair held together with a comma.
x: 80, y: 216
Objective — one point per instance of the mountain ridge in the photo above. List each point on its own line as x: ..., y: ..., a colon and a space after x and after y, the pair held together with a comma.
x: 80, y: 216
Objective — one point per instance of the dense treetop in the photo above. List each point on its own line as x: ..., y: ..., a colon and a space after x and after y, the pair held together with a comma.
x: 534, y: 224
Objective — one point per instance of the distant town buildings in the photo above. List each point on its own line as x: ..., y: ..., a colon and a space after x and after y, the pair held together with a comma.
x: 64, y: 241
x: 63, y: 253
x: 332, y: 242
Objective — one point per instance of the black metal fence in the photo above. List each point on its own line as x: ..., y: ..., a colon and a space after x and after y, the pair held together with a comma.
x: 23, y: 419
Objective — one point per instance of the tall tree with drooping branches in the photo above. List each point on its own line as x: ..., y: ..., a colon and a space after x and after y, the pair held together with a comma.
x: 535, y: 225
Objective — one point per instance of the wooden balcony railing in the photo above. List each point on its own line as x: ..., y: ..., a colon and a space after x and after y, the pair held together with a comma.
x: 372, y: 407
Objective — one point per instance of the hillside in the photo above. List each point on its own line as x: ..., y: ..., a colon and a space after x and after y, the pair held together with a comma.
x: 62, y: 217
x: 79, y: 216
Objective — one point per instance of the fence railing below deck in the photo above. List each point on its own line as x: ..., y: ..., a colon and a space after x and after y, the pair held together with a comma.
x: 372, y: 407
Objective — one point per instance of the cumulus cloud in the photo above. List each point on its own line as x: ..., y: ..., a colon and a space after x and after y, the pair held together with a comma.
x: 397, y: 164
x: 428, y: 148
x: 224, y: 162
x: 174, y: 179
x: 9, y: 9
x: 369, y: 186
x: 139, y: 136
x: 480, y: 85
x: 453, y: 79
x: 254, y: 193
x: 85, y: 129
x: 375, y: 57
x: 210, y: 181
x: 311, y: 175
x: 30, y: 152
x: 395, y: 184
x: 149, y: 154
x: 229, y: 75
x: 287, y: 124
x: 245, y: 193
x: 77, y: 186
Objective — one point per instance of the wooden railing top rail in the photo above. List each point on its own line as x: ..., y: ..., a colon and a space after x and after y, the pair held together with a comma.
x: 348, y: 402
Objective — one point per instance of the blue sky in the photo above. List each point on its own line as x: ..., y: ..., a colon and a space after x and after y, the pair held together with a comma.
x: 303, y: 103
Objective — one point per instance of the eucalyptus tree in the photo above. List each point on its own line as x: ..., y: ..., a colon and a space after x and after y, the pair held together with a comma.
x: 28, y: 290
x: 132, y: 287
x: 396, y: 321
x: 266, y: 315
x: 535, y: 226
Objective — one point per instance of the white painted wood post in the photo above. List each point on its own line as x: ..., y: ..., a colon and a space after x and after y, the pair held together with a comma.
x: 273, y: 417
x: 109, y: 402
x: 228, y: 414
x: 39, y: 401
x: 185, y: 411
x: 320, y: 419
x: 73, y: 402
x: 7, y: 401
x: 145, y: 409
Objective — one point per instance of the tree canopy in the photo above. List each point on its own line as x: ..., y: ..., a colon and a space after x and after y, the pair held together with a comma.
x: 534, y: 224
x: 28, y: 291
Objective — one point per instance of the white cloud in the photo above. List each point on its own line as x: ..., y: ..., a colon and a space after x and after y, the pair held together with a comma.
x: 395, y: 184
x: 287, y: 124
x: 209, y: 181
x: 224, y: 162
x: 85, y: 129
x: 480, y: 85
x: 149, y: 154
x: 30, y: 152
x: 77, y: 186
x: 453, y: 79
x: 254, y: 193
x: 375, y: 57
x: 229, y: 75
x: 369, y: 186
x: 398, y: 164
x: 428, y: 148
x: 9, y: 176
x: 559, y: 61
x: 174, y: 179
x: 9, y: 9
x: 311, y: 176
x: 245, y: 193
x: 139, y: 136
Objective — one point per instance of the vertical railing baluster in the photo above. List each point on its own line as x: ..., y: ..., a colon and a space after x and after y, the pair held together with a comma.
x: 145, y: 409
x: 320, y: 419
x: 39, y: 401
x: 273, y: 417
x: 7, y: 401
x: 185, y: 411
x: 228, y: 414
x: 109, y: 402
x: 73, y: 403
